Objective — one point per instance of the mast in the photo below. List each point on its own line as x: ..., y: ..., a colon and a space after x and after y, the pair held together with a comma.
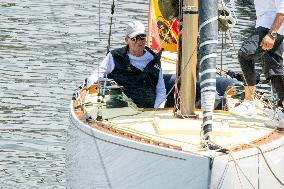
x: 208, y: 31
x: 189, y: 57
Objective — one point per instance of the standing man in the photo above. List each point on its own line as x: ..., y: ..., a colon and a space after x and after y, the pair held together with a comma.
x: 265, y: 42
x: 135, y: 67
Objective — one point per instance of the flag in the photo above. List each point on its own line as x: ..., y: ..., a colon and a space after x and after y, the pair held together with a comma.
x: 164, y: 32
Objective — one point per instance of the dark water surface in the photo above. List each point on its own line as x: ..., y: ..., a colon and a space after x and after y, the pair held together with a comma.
x: 47, y: 48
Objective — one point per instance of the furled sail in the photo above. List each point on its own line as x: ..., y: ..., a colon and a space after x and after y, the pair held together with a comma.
x: 208, y: 30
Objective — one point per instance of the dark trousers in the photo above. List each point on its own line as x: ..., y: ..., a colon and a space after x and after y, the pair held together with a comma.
x: 272, y: 61
x: 221, y: 85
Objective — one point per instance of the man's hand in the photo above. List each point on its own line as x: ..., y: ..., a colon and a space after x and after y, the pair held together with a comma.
x: 267, y: 42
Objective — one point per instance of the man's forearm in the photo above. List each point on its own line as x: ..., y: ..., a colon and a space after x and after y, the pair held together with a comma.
x: 278, y: 21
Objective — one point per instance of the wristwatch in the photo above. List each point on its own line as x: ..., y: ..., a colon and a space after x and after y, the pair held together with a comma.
x: 273, y: 34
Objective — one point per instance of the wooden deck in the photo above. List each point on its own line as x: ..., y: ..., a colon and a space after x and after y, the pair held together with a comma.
x: 162, y: 128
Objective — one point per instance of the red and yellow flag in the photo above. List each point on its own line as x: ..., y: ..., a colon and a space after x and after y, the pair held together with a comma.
x: 164, y: 32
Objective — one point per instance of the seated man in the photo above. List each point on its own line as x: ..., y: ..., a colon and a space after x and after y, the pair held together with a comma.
x: 135, y: 67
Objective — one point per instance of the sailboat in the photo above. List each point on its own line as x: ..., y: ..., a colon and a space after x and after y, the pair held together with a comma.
x: 113, y: 144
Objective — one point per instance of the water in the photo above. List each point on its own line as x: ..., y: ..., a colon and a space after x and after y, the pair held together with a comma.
x: 47, y: 48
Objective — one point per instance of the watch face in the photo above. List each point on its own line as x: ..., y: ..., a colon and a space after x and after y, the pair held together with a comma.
x: 273, y: 34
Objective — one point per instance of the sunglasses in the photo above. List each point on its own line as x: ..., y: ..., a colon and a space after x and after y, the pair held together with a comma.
x: 138, y: 37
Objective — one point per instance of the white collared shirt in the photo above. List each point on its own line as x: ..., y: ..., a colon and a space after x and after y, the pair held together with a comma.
x: 107, y: 66
x: 266, y: 11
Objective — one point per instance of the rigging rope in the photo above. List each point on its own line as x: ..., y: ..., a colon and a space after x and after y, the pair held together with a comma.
x: 236, y: 164
x: 110, y: 25
x: 179, y: 53
x: 243, y: 173
x: 275, y: 176
x: 99, y: 19
x: 179, y: 77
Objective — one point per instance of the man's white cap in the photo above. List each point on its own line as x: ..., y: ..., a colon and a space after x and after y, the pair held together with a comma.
x: 135, y: 28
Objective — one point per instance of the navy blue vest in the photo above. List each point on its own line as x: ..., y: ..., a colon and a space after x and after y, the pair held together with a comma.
x: 138, y: 85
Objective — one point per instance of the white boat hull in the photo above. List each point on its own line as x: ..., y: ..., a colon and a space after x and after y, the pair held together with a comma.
x: 253, y: 168
x: 99, y: 160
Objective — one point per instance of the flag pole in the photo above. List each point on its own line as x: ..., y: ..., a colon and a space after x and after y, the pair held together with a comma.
x: 149, y: 23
